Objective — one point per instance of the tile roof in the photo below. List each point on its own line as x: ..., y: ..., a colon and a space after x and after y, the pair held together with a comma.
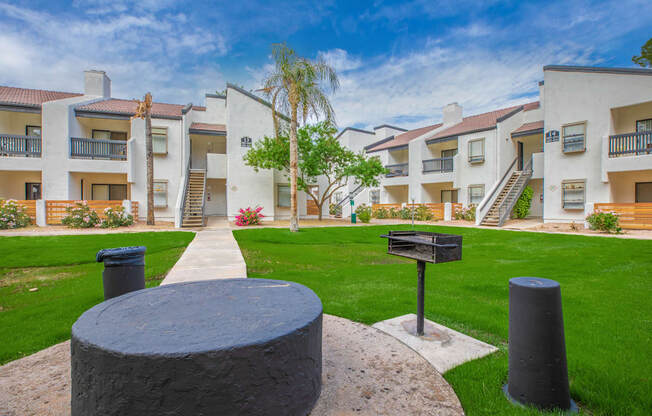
x: 198, y: 108
x: 480, y: 122
x: 529, y: 127
x: 220, y: 128
x: 31, y: 97
x: 531, y: 106
x: 128, y: 108
x: 402, y: 139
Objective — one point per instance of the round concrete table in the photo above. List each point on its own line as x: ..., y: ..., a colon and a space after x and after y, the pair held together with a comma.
x: 220, y: 347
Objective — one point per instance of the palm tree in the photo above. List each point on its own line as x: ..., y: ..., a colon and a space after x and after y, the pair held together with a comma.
x: 296, y: 87
x: 144, y: 110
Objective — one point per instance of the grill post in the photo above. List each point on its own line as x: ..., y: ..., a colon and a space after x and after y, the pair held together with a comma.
x: 421, y: 272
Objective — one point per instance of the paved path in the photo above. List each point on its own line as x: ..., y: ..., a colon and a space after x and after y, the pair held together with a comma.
x: 213, y: 254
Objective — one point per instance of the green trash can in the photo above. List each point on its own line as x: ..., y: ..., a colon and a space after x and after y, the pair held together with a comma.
x: 353, y: 218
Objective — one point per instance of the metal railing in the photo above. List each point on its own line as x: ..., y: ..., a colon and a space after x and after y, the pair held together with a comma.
x: 351, y: 195
x: 442, y: 164
x: 399, y: 169
x: 630, y: 144
x: 84, y: 148
x: 16, y: 145
x: 507, y: 204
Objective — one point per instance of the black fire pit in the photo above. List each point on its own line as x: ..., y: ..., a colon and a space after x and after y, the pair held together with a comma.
x: 424, y: 247
x: 219, y: 347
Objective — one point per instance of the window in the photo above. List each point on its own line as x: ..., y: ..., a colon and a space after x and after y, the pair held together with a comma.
x: 374, y: 196
x: 644, y: 125
x: 283, y: 195
x: 572, y: 194
x: 449, y: 195
x: 643, y: 191
x: 34, y: 131
x: 448, y: 153
x: 160, y: 193
x: 32, y: 190
x: 109, y: 135
x: 338, y: 197
x: 476, y: 151
x: 573, y: 137
x: 476, y: 194
x: 159, y: 140
x: 245, y: 142
x: 108, y: 192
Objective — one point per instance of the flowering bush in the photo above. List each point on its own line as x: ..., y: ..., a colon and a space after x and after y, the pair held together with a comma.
x: 116, y: 218
x: 13, y: 215
x: 363, y: 213
x: 607, y: 222
x: 466, y: 214
x: 80, y: 216
x: 381, y: 213
x: 249, y: 216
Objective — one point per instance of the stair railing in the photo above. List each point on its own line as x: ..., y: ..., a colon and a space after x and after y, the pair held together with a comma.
x: 507, y: 204
x: 203, y: 202
x: 184, y: 188
x: 351, y: 195
x: 485, y: 205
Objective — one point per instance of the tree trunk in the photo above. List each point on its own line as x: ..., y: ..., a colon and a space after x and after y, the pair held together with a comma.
x: 150, y: 168
x: 294, y: 218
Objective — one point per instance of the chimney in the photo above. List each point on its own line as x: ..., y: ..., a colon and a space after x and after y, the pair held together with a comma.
x: 452, y: 114
x: 97, y: 83
x: 541, y: 91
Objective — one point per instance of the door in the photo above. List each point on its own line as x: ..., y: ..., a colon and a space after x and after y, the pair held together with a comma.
x: 311, y: 205
x: 32, y: 191
x: 644, y: 192
x: 520, y: 155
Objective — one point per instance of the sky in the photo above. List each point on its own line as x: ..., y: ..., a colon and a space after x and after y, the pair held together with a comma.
x: 399, y: 62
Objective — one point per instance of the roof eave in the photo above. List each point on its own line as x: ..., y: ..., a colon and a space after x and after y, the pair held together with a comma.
x: 20, y: 108
x: 598, y: 69
x: 207, y: 132
x: 528, y: 132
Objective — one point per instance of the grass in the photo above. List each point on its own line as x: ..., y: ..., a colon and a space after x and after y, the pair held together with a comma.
x: 69, y: 281
x: 606, y: 290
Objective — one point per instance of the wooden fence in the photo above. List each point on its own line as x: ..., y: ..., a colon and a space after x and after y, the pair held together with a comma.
x: 55, y: 211
x: 134, y: 210
x: 631, y: 216
x: 30, y: 208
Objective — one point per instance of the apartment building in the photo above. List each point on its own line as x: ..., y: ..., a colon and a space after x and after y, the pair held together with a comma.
x: 585, y: 144
x: 88, y: 146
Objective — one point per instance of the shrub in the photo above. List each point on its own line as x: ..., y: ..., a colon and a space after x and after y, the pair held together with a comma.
x: 363, y: 212
x: 607, y: 222
x: 13, y: 215
x: 332, y: 209
x: 116, y: 218
x: 381, y: 213
x: 466, y: 214
x: 393, y: 213
x: 423, y: 213
x: 405, y: 213
x: 249, y: 216
x: 522, y: 207
x: 80, y: 216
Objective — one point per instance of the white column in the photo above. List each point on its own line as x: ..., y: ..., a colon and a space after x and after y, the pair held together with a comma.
x: 589, y: 207
x: 41, y: 220
x: 448, y: 211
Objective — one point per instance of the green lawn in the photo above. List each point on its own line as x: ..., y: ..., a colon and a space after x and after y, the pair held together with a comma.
x: 606, y: 288
x: 69, y: 281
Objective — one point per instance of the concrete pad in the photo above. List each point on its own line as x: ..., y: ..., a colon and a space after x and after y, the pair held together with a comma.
x: 444, y: 348
x: 213, y: 254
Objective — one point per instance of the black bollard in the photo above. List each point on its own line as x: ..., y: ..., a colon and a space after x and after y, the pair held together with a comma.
x: 538, y: 374
x: 124, y: 270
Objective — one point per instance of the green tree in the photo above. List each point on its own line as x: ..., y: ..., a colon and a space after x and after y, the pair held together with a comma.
x: 296, y: 87
x: 645, y: 59
x: 320, y: 155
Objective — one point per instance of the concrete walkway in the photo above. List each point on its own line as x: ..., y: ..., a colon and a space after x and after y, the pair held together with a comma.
x: 213, y: 254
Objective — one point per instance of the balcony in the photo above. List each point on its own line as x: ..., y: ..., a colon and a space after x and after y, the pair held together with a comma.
x: 400, y: 169
x: 439, y: 165
x: 630, y: 144
x: 102, y: 149
x: 20, y: 146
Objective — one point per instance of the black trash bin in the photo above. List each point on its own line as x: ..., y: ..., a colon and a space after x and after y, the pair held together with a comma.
x: 124, y: 270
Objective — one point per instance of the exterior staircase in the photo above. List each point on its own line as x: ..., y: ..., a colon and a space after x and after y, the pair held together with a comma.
x: 193, y: 205
x: 504, y: 203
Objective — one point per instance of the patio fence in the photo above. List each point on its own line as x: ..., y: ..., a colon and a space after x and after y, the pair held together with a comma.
x: 636, y: 216
x: 30, y: 208
x: 55, y: 211
x: 437, y: 209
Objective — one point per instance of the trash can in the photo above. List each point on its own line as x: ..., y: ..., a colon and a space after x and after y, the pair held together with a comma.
x: 124, y: 270
x: 538, y: 373
x: 353, y: 218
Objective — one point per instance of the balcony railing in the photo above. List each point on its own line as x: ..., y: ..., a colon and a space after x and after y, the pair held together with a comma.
x: 630, y: 144
x: 25, y: 146
x: 440, y: 165
x: 400, y: 169
x: 84, y: 148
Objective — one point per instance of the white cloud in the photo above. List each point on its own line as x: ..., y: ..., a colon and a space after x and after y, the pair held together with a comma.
x: 340, y: 59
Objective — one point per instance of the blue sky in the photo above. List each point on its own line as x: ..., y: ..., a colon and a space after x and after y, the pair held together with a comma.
x: 399, y: 61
